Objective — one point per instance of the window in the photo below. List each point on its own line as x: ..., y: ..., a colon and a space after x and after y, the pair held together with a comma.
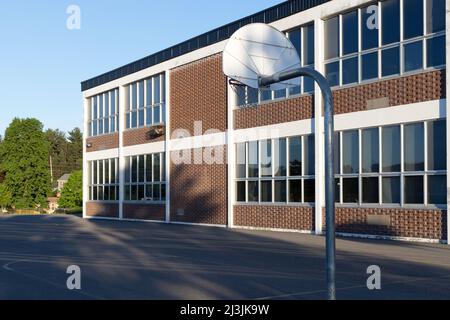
x: 145, y: 102
x: 103, y: 180
x: 145, y: 178
x: 104, y: 113
x: 411, y: 172
x: 303, y: 40
x: 358, y: 48
x: 276, y: 170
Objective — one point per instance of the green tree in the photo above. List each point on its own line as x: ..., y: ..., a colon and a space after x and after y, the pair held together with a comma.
x: 72, y: 193
x: 24, y: 155
x: 75, y: 150
x: 5, y: 197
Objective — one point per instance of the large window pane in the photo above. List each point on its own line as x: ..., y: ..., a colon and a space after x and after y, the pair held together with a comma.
x: 413, y: 56
x: 295, y: 190
x: 436, y: 51
x: 134, y: 169
x: 240, y: 191
x: 370, y: 150
x: 391, y: 190
x: 266, y: 158
x: 309, y: 155
x: 350, y: 152
x: 265, y: 95
x: 253, y: 191
x: 309, y: 186
x: 391, y: 149
x: 350, y: 32
x: 390, y: 61
x: 141, y: 102
x: 156, y: 167
x: 280, y: 157
x: 437, y: 145
x: 350, y: 70
x: 308, y: 45
x: 149, y: 94
x: 149, y: 166
x: 141, y: 168
x: 295, y: 36
x: 332, y: 73
x: 414, y: 147
x: 390, y: 21
x: 332, y: 38
x: 437, y: 186
x: 370, y: 190
x: 240, y: 160
x: 280, y: 191
x: 156, y: 90
x: 127, y: 170
x: 252, y: 95
x: 351, y: 190
x: 134, y: 96
x: 266, y: 191
x: 412, y: 18
x: 435, y: 15
x: 295, y: 156
x: 369, y: 66
x: 253, y: 159
x: 369, y: 32
x: 414, y: 190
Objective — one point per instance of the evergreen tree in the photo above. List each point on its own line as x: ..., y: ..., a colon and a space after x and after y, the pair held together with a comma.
x: 72, y: 193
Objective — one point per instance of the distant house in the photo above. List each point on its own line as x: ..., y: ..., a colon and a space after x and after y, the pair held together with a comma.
x: 62, y: 181
x: 52, y: 204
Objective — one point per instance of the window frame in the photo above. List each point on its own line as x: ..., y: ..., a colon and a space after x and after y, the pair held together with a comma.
x: 102, y: 184
x: 102, y: 118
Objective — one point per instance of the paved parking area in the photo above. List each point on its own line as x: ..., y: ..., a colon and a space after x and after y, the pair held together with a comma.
x: 127, y: 260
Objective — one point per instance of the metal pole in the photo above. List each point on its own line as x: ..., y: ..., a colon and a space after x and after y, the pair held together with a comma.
x: 329, y: 163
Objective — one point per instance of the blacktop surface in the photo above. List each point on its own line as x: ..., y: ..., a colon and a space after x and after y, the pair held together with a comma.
x: 134, y: 260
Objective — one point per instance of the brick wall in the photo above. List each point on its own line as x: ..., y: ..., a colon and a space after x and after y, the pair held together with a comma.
x: 401, y: 222
x: 137, y: 136
x: 144, y: 211
x: 198, y: 92
x: 102, y: 209
x: 105, y: 142
x: 421, y: 87
x: 277, y: 217
x: 198, y: 192
x: 275, y: 112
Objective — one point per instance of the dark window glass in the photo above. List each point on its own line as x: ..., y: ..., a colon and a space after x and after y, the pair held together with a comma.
x: 240, y: 191
x: 266, y: 191
x: 95, y: 110
x: 350, y: 152
x: 413, y: 147
x: 391, y: 189
x: 141, y: 193
x: 141, y: 94
x: 100, y: 193
x: 252, y: 95
x: 295, y: 156
x: 266, y: 158
x: 391, y: 149
x: 94, y: 194
x: 369, y: 31
x: 149, y: 168
x: 436, y: 51
x: 437, y: 145
x: 390, y: 21
x: 240, y: 95
x: 127, y: 170
x: 332, y: 38
x: 280, y: 94
x: 295, y: 89
x: 134, y: 171
x: 162, y: 162
x: 370, y: 150
x: 156, y: 90
x: 127, y: 193
x: 308, y: 84
x: 156, y: 192
x: 370, y: 190
x: 337, y: 152
x: 309, y: 155
x: 308, y: 45
x: 309, y: 186
x: 163, y: 192
x: 350, y: 193
x: 280, y: 157
x: 253, y: 191
x: 280, y: 191
x: 141, y: 118
x: 100, y: 126
x: 157, y: 114
x: 113, y: 171
x: 94, y: 174
x: 369, y: 66
x: 412, y: 18
x: 149, y: 192
x: 437, y: 186
x: 435, y: 15
x: 337, y: 190
x: 350, y: 32
x: 390, y: 61
x: 350, y: 70
x: 133, y: 119
x: 149, y: 96
x: 112, y: 194
x: 100, y: 172
x: 253, y: 159
x: 295, y: 190
x: 134, y: 96
x: 266, y: 95
x: 107, y: 172
x: 413, y: 56
x: 295, y: 36
x: 156, y: 167
x: 127, y: 124
x: 240, y: 160
x: 414, y: 190
x: 332, y: 73
x: 141, y: 168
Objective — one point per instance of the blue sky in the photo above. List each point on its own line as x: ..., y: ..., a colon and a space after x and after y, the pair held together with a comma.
x: 42, y: 62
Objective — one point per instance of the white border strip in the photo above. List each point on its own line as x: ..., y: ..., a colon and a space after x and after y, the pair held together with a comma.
x: 103, y: 154
x: 310, y: 232
x: 381, y: 237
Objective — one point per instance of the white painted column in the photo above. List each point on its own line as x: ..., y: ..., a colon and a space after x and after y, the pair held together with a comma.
x: 319, y: 129
x: 85, y: 162
x: 167, y: 146
x: 231, y: 156
x: 447, y: 53
x: 122, y: 122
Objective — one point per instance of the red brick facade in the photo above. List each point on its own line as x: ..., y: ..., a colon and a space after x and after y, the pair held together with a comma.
x: 154, y: 212
x: 105, y: 142
x: 102, y: 209
x: 137, y: 136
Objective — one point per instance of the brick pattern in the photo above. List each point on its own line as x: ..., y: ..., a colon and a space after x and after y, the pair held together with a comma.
x: 276, y: 112
x: 415, y: 223
x: 105, y: 142
x: 198, y: 92
x: 198, y: 191
x: 144, y: 211
x: 102, y: 209
x: 137, y: 136
x: 277, y: 217
x: 421, y: 87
